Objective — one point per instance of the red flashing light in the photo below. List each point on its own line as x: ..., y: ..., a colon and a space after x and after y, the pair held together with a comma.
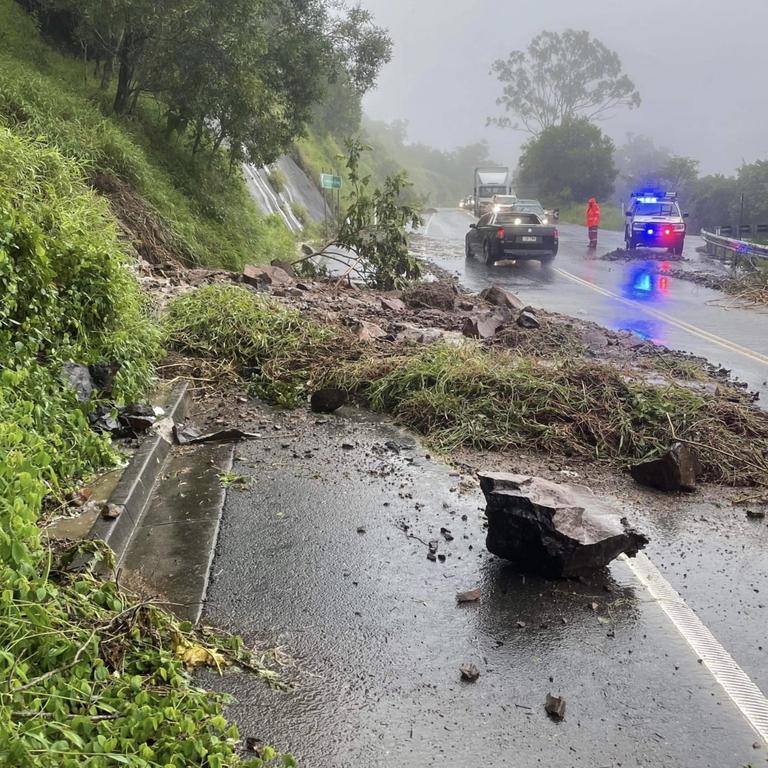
x: 500, y: 233
x: 667, y: 231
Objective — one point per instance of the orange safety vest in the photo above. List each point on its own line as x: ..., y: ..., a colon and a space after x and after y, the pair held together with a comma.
x: 593, y: 213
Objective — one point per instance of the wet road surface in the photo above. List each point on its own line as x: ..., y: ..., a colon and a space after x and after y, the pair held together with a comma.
x: 633, y: 297
x: 378, y: 637
x: 374, y: 626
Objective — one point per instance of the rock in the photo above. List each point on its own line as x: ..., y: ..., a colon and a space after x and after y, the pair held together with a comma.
x: 112, y: 511
x: 676, y: 470
x: 497, y: 296
x: 136, y: 417
x: 553, y: 529
x: 392, y: 304
x: 366, y: 331
x: 79, y: 378
x: 430, y: 296
x: 432, y: 551
x: 555, y: 707
x: 446, y: 534
x: 527, y: 319
x: 327, y: 400
x: 286, y: 266
x: 466, y: 306
x: 469, y: 672
x: 756, y: 514
x: 483, y: 327
x: 472, y: 596
x: 266, y: 276
x: 103, y: 376
x: 410, y: 333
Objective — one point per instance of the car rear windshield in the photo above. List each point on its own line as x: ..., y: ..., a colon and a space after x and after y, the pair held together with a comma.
x: 656, y: 209
x: 517, y: 218
x: 529, y: 208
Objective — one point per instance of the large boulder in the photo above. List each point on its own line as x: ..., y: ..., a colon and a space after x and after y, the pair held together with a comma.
x: 484, y: 326
x: 553, y: 529
x: 676, y: 470
x: 266, y: 276
x: 497, y: 296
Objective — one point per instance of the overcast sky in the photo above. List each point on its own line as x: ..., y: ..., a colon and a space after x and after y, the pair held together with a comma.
x: 700, y: 65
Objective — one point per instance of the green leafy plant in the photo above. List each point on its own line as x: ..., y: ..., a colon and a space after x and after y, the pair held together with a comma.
x: 374, y: 225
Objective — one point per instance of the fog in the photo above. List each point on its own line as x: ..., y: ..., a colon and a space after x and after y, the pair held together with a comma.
x: 700, y: 67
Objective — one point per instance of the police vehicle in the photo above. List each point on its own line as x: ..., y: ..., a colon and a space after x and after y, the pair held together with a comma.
x: 654, y: 220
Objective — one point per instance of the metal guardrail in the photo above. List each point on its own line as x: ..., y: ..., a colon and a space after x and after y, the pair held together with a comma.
x: 728, y: 249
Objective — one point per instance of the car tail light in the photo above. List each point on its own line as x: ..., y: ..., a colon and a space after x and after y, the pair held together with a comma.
x: 557, y: 233
x: 667, y: 231
x: 500, y: 233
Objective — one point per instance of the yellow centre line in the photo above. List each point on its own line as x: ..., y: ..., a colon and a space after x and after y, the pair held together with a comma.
x: 732, y: 346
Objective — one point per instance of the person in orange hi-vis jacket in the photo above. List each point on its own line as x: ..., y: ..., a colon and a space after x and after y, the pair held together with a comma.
x: 593, y: 221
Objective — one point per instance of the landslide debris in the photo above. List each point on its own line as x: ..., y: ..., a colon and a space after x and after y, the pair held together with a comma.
x: 568, y: 388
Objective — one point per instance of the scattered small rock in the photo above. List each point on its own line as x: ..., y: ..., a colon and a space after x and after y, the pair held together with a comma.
x: 527, y: 319
x: 469, y: 673
x: 756, y: 514
x: 471, y: 596
x: 555, y: 707
x: 676, y: 470
x: 392, y: 304
x: 327, y: 400
x: 447, y: 535
x: 112, y: 511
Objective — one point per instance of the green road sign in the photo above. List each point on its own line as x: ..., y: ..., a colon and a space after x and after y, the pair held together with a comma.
x: 328, y: 181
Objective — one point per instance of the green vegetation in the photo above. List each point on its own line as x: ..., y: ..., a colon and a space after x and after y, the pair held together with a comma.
x: 255, y: 333
x: 43, y: 95
x: 559, y: 78
x: 91, y: 677
x: 611, y: 216
x: 568, y: 162
x: 374, y: 227
x: 484, y: 398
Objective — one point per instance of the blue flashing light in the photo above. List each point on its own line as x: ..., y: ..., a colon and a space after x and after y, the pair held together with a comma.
x: 648, y: 231
x: 647, y: 199
x: 643, y: 283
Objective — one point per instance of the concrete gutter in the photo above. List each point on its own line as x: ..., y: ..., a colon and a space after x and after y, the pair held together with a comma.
x: 137, y: 483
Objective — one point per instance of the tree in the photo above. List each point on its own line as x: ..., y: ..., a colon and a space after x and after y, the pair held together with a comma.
x: 374, y: 226
x: 567, y: 163
x: 560, y: 77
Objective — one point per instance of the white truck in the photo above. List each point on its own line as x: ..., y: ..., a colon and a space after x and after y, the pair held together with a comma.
x: 490, y: 182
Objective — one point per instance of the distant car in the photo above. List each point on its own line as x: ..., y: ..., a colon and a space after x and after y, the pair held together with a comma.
x: 508, y: 235
x: 654, y: 220
x: 468, y: 203
x: 499, y: 202
x: 534, y: 206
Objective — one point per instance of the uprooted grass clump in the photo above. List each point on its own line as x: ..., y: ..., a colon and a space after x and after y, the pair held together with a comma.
x: 270, y: 344
x: 473, y: 396
x: 467, y: 396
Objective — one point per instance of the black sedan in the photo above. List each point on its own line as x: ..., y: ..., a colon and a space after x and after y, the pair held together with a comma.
x: 512, y: 236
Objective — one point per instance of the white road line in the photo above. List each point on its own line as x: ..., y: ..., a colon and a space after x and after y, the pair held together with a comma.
x: 747, y: 697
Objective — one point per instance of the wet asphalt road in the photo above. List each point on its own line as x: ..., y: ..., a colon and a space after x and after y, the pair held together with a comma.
x: 374, y: 626
x: 633, y: 297
x: 378, y: 637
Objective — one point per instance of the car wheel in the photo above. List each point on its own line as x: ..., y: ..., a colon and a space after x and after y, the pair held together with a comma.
x: 467, y: 249
x: 489, y: 260
x: 547, y: 260
x: 631, y: 244
x: 679, y: 248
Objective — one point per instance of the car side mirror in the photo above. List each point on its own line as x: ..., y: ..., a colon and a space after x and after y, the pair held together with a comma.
x: 686, y: 215
x: 473, y: 226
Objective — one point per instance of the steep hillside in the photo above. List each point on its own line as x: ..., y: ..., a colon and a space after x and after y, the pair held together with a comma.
x: 164, y: 197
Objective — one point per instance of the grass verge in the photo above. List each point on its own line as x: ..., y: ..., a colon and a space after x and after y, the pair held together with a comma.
x: 611, y: 217
x: 474, y: 396
x: 91, y: 676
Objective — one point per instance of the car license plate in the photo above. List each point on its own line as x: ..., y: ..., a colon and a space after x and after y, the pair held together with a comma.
x: 529, y: 239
